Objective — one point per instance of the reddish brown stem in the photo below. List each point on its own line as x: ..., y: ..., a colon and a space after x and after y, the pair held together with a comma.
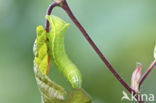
x: 139, y: 99
x: 65, y: 6
x: 48, y: 13
x: 85, y: 34
x: 47, y: 30
x: 147, y: 72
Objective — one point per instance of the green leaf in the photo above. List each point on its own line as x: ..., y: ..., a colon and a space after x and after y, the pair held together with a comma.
x: 40, y: 51
x: 50, y: 91
x: 53, y: 93
x: 78, y: 96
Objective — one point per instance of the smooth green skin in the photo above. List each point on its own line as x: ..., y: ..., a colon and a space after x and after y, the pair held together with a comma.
x: 50, y: 91
x: 58, y: 54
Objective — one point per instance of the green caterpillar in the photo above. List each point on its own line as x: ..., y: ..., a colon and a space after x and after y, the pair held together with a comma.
x: 50, y: 91
x: 58, y: 54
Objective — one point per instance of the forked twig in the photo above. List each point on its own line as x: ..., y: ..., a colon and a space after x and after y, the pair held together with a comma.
x: 63, y: 4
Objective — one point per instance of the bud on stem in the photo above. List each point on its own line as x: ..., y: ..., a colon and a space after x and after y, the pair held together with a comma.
x: 136, y: 76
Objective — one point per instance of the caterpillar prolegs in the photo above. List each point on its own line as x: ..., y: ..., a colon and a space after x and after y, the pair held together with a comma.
x: 58, y: 53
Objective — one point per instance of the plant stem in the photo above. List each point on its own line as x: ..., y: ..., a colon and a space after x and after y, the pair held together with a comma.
x: 63, y: 4
x: 85, y: 34
x: 147, y: 72
x: 50, y: 8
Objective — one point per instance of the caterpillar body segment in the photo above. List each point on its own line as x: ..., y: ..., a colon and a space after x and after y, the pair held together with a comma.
x: 58, y: 53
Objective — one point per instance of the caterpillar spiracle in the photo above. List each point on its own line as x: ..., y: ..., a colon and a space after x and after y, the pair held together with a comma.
x: 58, y: 53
